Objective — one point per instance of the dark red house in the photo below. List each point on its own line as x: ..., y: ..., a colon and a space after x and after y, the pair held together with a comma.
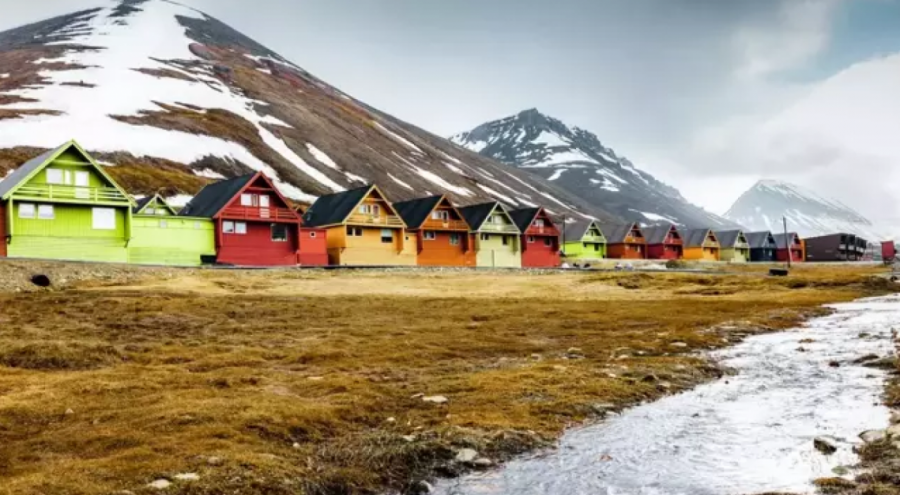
x: 663, y: 243
x: 540, y: 238
x: 255, y: 225
x: 789, y: 243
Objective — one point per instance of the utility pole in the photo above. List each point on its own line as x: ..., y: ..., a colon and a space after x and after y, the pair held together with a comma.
x: 787, y: 244
x: 564, y: 236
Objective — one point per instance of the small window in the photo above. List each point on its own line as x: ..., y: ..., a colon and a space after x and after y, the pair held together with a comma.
x: 246, y: 200
x: 539, y: 222
x: 240, y: 228
x: 163, y: 224
x: 454, y: 239
x: 548, y: 242
x: 104, y: 219
x: 596, y: 247
x: 376, y: 211
x: 430, y: 235
x: 485, y: 237
x: 279, y: 233
x: 228, y: 227
x: 26, y: 210
x: 55, y: 176
x: 263, y: 201
x: 440, y: 215
x: 387, y: 236
x: 358, y: 232
x: 45, y: 212
x: 506, y: 240
x: 354, y: 231
x: 67, y: 176
x: 161, y: 212
x: 150, y: 211
x: 82, y: 179
x: 312, y: 235
x: 530, y: 239
x: 365, y: 209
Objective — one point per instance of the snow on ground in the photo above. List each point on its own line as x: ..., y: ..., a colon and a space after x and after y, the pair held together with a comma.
x: 356, y: 178
x: 497, y: 195
x: 609, y: 186
x: 439, y: 181
x: 322, y: 156
x: 127, y: 92
x: 475, y: 146
x: 398, y: 181
x: 400, y: 139
x: 636, y: 172
x: 451, y: 158
x: 607, y: 173
x: 557, y: 174
x: 654, y: 217
x: 562, y: 157
x: 209, y: 174
x: 265, y: 71
x: 542, y: 193
x: 550, y: 139
x: 491, y: 178
x: 453, y: 168
x: 4, y: 76
x: 179, y: 201
x: 608, y: 157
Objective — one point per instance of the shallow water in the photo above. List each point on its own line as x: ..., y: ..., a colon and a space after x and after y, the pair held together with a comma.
x: 743, y: 434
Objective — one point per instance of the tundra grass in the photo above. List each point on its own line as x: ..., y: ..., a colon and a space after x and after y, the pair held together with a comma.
x: 313, y: 382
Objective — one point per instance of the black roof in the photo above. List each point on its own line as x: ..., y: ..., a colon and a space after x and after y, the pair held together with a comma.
x: 415, y: 211
x: 657, y: 234
x: 575, y: 231
x: 523, y: 217
x: 212, y: 198
x: 728, y: 237
x: 759, y: 240
x: 781, y: 240
x: 695, y: 237
x: 615, y: 233
x: 334, y: 208
x: 18, y: 175
x: 475, y: 215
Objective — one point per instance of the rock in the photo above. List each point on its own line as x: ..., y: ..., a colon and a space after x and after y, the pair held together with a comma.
x: 482, y: 462
x: 841, y: 470
x: 160, y: 484
x: 436, y: 399
x: 801, y: 349
x: 409, y: 438
x: 895, y: 417
x: 315, y: 378
x: 650, y: 378
x: 603, y: 408
x: 664, y: 386
x: 893, y: 431
x: 871, y: 436
x: 887, y: 363
x: 296, y: 445
x: 807, y: 341
x: 559, y: 367
x: 865, y: 359
x: 69, y: 412
x: 834, y: 364
x: 825, y: 445
x: 391, y: 420
x: 680, y: 345
x: 425, y: 487
x: 417, y: 396
x: 187, y: 477
x: 575, y: 352
x: 215, y: 461
x: 612, y: 375
x: 864, y: 335
x: 536, y: 357
x: 466, y: 456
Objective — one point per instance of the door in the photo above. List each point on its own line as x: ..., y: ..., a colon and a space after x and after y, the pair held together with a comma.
x: 82, y: 185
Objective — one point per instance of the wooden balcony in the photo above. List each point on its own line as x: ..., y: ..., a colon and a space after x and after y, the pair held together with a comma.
x: 53, y: 192
x: 499, y: 228
x: 262, y: 214
x: 545, y: 230
x: 387, y: 221
x: 593, y: 238
x: 432, y: 224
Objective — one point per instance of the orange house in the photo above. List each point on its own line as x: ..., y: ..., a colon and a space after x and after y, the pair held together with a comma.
x: 363, y: 229
x: 625, y: 242
x: 701, y: 245
x: 442, y: 235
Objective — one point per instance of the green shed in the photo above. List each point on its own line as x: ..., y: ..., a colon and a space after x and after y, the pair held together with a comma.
x: 63, y: 205
x: 583, y: 240
x: 161, y: 237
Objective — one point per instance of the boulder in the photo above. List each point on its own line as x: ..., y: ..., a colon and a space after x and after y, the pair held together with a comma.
x: 483, y: 462
x: 865, y: 359
x: 187, y: 477
x: 436, y: 399
x: 680, y: 345
x: 466, y: 456
x: 895, y: 417
x: 160, y: 484
x: 834, y: 364
x: 603, y: 408
x: 825, y: 445
x: 871, y: 436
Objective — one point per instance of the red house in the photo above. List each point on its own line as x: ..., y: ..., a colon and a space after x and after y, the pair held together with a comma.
x: 540, y: 238
x: 789, y: 243
x: 255, y: 225
x: 664, y: 243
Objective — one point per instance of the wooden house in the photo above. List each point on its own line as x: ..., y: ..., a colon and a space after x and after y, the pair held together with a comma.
x: 540, y: 238
x: 63, y: 205
x: 254, y: 224
x: 701, y: 245
x: 835, y: 247
x: 442, y: 234
x: 161, y: 237
x: 788, y: 246
x: 762, y: 247
x: 583, y: 240
x: 364, y: 229
x: 734, y: 247
x: 664, y: 242
x: 497, y: 243
x: 624, y: 241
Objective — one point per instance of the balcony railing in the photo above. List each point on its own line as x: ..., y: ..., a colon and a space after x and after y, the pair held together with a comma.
x: 432, y: 224
x: 256, y: 213
x: 546, y: 230
x: 70, y: 193
x: 593, y: 238
x: 388, y: 220
x: 502, y: 228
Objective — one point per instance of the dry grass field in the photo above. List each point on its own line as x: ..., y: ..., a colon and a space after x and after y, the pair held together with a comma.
x: 286, y: 382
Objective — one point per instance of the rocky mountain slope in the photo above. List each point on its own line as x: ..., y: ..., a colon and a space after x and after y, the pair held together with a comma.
x: 576, y: 160
x: 171, y: 98
x: 763, y: 206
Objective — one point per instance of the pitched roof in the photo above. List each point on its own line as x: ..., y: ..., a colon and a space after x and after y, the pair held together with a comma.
x: 615, y: 233
x: 523, y: 217
x: 415, y: 211
x: 160, y: 203
x: 657, y: 234
x: 334, y: 209
x: 142, y: 203
x: 758, y: 240
x: 781, y: 240
x: 728, y: 237
x: 475, y: 215
x: 18, y: 175
x: 695, y: 237
x: 212, y: 198
x: 575, y: 231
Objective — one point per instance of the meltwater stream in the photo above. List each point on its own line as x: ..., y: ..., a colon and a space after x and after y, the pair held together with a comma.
x: 743, y: 434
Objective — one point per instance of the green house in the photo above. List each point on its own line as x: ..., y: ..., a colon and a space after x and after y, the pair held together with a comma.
x: 161, y: 237
x: 63, y: 205
x: 583, y: 240
x: 497, y: 239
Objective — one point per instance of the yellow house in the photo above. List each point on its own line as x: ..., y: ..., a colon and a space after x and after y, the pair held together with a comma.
x: 701, y: 245
x: 363, y: 228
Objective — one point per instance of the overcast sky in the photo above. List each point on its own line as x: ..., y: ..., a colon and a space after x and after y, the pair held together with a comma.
x: 701, y: 93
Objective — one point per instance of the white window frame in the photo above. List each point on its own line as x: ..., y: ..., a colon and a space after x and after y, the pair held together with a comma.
x: 80, y: 174
x: 42, y: 212
x: 30, y: 210
x: 150, y: 211
x: 240, y: 228
x: 312, y: 235
x: 429, y: 235
x: 455, y: 239
x: 101, y: 222
x: 531, y: 239
x: 53, y: 178
x: 264, y: 201
x: 246, y: 200
x: 548, y: 242
x: 485, y: 237
x: 228, y: 227
x: 272, y: 232
x: 383, y: 237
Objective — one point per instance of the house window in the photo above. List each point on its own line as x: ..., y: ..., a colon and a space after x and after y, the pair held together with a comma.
x: 240, y: 228
x: 387, y: 236
x: 197, y: 226
x: 82, y: 179
x: 150, y: 211
x: 454, y: 239
x: 104, y: 219
x: 228, y: 227
x: 26, y: 210
x: 430, y: 235
x: 539, y: 222
x: 530, y: 239
x: 45, y: 212
x: 485, y: 237
x: 596, y: 247
x: 55, y: 176
x: 163, y: 224
x: 354, y: 231
x: 279, y: 233
x: 506, y: 240
x: 373, y: 210
x: 246, y: 200
x: 312, y: 235
x: 548, y: 242
x: 440, y: 215
x: 161, y: 212
x: 263, y: 201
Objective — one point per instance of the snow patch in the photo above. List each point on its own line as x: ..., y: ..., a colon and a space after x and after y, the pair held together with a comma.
x: 496, y: 194
x: 557, y: 174
x: 356, y: 178
x: 321, y: 156
x: 179, y: 200
x: 398, y: 138
x: 398, y: 181
x: 209, y: 174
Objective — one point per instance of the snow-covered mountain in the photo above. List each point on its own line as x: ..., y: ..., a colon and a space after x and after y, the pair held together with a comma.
x: 171, y: 97
x: 577, y: 161
x: 763, y: 206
